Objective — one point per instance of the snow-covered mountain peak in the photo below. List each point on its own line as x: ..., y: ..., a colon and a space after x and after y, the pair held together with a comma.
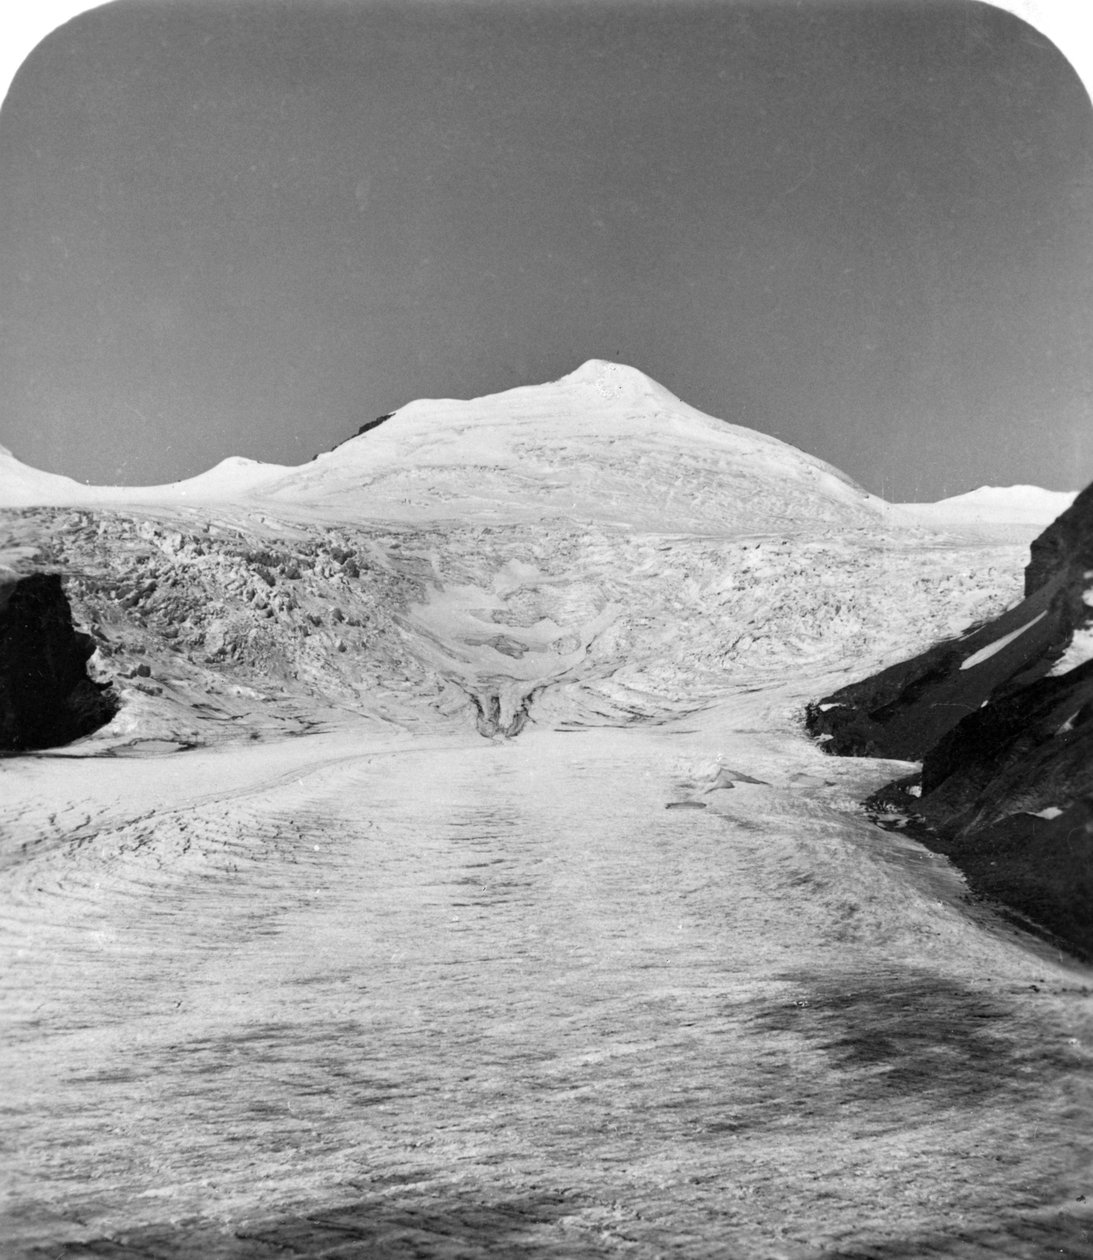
x: 605, y: 443
x: 618, y: 382
x: 232, y: 478
x: 989, y: 507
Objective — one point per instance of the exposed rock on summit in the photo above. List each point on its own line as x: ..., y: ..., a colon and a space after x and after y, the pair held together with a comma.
x: 46, y: 696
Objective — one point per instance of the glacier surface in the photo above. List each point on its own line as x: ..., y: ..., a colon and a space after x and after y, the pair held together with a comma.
x: 456, y: 877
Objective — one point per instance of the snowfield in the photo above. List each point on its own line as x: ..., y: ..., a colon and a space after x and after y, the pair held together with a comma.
x: 456, y: 878
x: 993, y: 512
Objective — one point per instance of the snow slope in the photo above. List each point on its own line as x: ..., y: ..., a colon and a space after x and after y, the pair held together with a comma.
x: 1020, y: 511
x: 605, y: 443
x: 23, y: 486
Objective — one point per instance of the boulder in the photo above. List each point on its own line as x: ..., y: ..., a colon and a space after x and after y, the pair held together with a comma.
x: 46, y: 696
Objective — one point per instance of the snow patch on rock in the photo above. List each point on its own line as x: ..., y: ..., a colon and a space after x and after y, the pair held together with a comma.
x: 985, y: 653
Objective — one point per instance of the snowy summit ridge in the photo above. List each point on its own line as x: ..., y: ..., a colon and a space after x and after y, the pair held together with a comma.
x: 232, y: 478
x: 1016, y: 505
x: 605, y: 443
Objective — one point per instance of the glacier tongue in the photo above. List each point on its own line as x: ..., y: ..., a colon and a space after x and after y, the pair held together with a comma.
x: 394, y: 985
x: 335, y: 985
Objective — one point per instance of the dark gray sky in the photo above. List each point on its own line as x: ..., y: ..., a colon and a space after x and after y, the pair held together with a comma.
x: 248, y: 227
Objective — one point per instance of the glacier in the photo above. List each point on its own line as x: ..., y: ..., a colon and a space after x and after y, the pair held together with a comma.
x: 456, y: 876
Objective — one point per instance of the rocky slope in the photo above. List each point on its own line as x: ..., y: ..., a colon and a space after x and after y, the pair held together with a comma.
x: 1064, y: 549
x: 906, y: 709
x: 1002, y: 719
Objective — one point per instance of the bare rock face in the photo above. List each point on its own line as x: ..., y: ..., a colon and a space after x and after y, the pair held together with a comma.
x: 1066, y: 544
x: 1008, y: 795
x: 46, y: 696
x: 1002, y: 721
x: 367, y: 427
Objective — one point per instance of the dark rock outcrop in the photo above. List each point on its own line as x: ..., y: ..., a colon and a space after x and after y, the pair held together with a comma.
x: 906, y: 709
x: 367, y: 427
x: 1008, y: 795
x: 1067, y: 543
x: 46, y: 696
x: 1002, y: 720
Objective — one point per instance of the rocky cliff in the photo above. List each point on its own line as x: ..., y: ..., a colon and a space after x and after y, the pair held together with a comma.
x: 1065, y: 546
x: 46, y: 696
x: 1002, y: 719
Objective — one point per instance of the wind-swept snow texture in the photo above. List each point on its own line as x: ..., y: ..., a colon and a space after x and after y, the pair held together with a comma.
x: 632, y: 975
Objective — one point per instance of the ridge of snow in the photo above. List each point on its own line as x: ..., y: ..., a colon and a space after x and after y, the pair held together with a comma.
x: 1018, y: 505
x: 24, y: 486
x: 604, y: 443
